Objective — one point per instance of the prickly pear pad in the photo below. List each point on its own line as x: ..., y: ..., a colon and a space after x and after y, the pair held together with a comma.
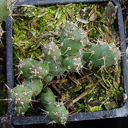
x: 72, y: 63
x: 47, y: 96
x: 5, y: 9
x: 57, y: 112
x: 51, y: 51
x: 33, y: 69
x: 56, y: 68
x: 35, y: 85
x: 103, y: 55
x: 25, y: 66
x: 20, y: 96
x: 73, y: 39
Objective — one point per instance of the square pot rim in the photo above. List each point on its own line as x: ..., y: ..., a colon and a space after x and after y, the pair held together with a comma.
x: 119, y: 112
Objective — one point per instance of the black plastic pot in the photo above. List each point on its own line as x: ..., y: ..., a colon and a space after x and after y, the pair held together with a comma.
x: 119, y: 112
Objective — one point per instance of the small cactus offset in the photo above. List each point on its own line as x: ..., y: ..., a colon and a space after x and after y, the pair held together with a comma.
x: 102, y: 55
x: 51, y: 51
x: 33, y: 69
x: 48, y: 78
x: 35, y: 85
x: 22, y: 94
x: 20, y: 97
x: 6, y: 7
x: 56, y: 68
x: 73, y: 39
x: 72, y: 63
x: 57, y: 112
x: 47, y: 96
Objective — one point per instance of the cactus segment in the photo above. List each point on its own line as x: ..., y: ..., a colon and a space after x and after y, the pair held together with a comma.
x: 47, y: 96
x: 57, y: 112
x: 35, y: 85
x: 72, y: 63
x: 25, y: 66
x: 20, y: 110
x: 40, y: 70
x: 5, y: 9
x: 73, y: 39
x: 51, y: 51
x: 33, y: 69
x: 102, y: 55
x: 20, y: 96
x: 48, y: 78
x: 56, y: 68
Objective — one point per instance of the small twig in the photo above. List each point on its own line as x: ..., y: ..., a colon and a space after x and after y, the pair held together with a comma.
x: 105, y: 81
x: 56, y: 88
x: 74, y: 80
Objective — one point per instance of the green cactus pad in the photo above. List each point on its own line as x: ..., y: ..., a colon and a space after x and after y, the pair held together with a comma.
x: 56, y: 68
x: 72, y: 63
x: 73, y: 39
x: 26, y: 65
x: 33, y: 69
x: 47, y: 96
x: 20, y: 110
x: 35, y: 85
x: 20, y: 96
x: 51, y: 51
x: 42, y: 70
x: 67, y: 30
x: 5, y: 9
x: 57, y: 112
x: 102, y: 55
x: 48, y: 78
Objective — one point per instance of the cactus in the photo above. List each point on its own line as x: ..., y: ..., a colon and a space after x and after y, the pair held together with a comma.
x: 48, y: 78
x: 51, y: 51
x: 20, y: 97
x: 35, y: 85
x: 71, y: 57
x: 33, y: 69
x: 102, y: 55
x: 72, y: 63
x: 56, y: 68
x: 47, y: 96
x: 5, y: 9
x: 73, y: 39
x: 57, y: 112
